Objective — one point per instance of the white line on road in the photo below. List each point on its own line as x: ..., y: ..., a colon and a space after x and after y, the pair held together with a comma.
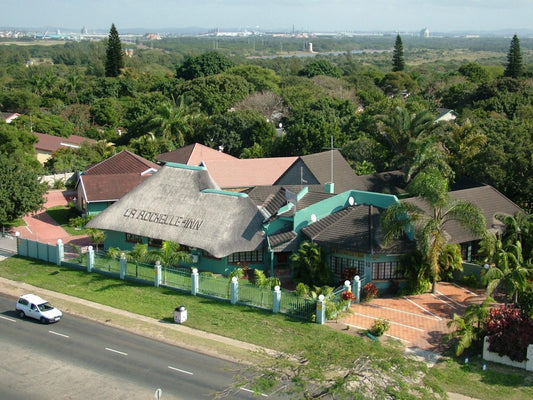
x: 422, y: 308
x: 403, y: 311
x: 452, y: 300
x: 29, y: 229
x: 251, y: 391
x: 442, y: 301
x: 116, y: 351
x: 181, y: 370
x: 466, y: 290
x: 392, y: 322
x: 8, y: 319
x: 59, y: 334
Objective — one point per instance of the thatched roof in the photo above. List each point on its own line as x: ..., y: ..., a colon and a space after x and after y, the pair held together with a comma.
x: 184, y: 205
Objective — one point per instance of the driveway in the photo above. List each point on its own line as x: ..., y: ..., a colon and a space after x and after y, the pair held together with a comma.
x: 42, y: 228
x: 417, y: 321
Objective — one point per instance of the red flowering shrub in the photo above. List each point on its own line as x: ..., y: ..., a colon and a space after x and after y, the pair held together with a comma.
x: 369, y: 292
x: 349, y: 273
x: 510, y: 331
x: 347, y: 295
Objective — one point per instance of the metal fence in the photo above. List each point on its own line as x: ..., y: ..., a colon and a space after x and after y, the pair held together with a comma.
x: 296, y: 306
x: 214, y: 286
x: 178, y: 278
x: 255, y: 296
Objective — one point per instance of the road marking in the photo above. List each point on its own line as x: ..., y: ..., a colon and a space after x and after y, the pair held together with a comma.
x: 251, y: 391
x: 29, y: 229
x: 403, y: 311
x: 443, y: 301
x: 450, y: 299
x: 59, y: 334
x: 392, y: 322
x: 8, y: 319
x: 397, y: 338
x: 116, y: 351
x: 422, y: 308
x: 466, y: 290
x: 180, y: 370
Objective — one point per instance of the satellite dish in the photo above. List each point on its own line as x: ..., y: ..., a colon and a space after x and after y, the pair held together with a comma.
x: 158, y: 393
x: 313, y: 217
x: 351, y: 201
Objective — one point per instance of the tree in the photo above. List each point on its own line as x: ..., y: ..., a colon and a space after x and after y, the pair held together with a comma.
x: 398, y: 62
x: 321, y: 67
x: 173, y: 121
x: 207, y: 64
x: 114, y: 60
x: 20, y: 190
x: 310, y: 266
x: 515, y: 67
x: 169, y: 254
x: 430, y: 224
x: 97, y: 236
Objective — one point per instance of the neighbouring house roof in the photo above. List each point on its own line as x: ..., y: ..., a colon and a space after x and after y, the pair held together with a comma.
x: 8, y: 116
x: 491, y: 203
x: 193, y: 154
x: 390, y: 182
x: 355, y: 228
x: 123, y: 162
x: 50, y: 143
x: 186, y: 206
x: 245, y: 173
x: 445, y: 114
x: 108, y: 187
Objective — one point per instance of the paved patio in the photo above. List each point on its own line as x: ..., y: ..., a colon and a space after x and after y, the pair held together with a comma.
x: 417, y: 321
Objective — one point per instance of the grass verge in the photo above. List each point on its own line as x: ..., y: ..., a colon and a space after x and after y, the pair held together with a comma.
x: 323, y: 354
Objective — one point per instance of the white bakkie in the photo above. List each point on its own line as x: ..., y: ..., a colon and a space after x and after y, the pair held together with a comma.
x: 30, y: 305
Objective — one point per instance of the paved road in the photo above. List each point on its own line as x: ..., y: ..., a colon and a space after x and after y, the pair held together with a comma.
x: 80, y: 359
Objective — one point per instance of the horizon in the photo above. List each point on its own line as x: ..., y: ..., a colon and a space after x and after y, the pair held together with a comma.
x: 272, y: 15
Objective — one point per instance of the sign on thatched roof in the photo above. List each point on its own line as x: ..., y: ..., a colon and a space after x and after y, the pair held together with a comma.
x: 184, y: 205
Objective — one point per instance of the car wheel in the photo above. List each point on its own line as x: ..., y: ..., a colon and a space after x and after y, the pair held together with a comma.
x: 43, y: 320
x: 21, y: 313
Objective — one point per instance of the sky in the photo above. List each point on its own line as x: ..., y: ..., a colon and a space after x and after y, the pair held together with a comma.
x: 265, y: 15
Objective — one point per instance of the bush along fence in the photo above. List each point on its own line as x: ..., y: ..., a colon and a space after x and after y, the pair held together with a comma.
x: 201, y: 284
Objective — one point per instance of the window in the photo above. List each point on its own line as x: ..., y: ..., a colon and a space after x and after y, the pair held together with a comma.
x: 385, y: 270
x: 155, y: 242
x: 246, y: 257
x: 133, y: 238
x: 339, y: 264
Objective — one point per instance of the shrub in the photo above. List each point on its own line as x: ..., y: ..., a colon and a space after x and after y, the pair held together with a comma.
x: 379, y: 327
x: 347, y: 295
x: 510, y: 331
x: 349, y: 273
x: 369, y: 292
x: 58, y: 183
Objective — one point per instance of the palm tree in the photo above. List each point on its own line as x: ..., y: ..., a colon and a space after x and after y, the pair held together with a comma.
x: 429, y: 224
x: 173, y: 121
x: 168, y: 255
x: 509, y: 269
x: 401, y: 128
x: 309, y: 265
x: 137, y: 255
x: 470, y: 328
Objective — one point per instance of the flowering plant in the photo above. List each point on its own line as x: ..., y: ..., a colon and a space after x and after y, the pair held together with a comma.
x: 347, y: 295
x: 369, y: 292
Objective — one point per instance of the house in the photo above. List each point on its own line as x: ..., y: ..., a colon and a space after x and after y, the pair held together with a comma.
x: 47, y: 144
x: 102, y: 184
x: 261, y: 228
x: 446, y: 115
x: 236, y: 174
x: 7, y: 117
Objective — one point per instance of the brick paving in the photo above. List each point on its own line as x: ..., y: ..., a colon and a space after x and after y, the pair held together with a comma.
x: 41, y: 227
x: 416, y: 321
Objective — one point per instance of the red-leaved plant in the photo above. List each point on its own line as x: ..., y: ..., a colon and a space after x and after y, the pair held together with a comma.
x: 510, y: 332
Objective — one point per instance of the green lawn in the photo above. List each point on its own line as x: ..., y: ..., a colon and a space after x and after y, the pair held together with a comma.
x: 62, y: 215
x: 322, y: 348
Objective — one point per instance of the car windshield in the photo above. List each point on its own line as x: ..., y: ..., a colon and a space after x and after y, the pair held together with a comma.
x: 45, y: 307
